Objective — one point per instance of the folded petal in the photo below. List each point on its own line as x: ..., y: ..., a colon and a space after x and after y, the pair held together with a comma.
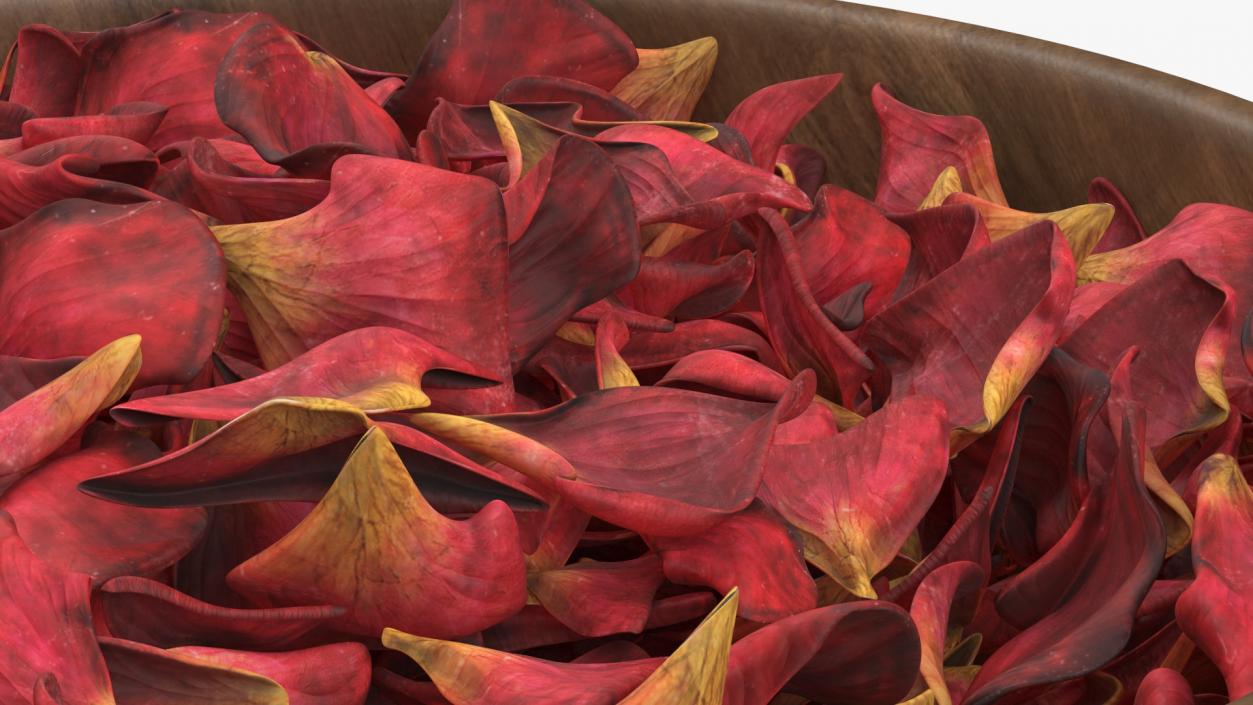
x: 1078, y: 602
x: 577, y: 242
x: 1082, y: 225
x: 153, y: 613
x: 87, y: 272
x: 767, y: 116
x: 800, y: 332
x: 35, y: 425
x: 134, y: 121
x: 377, y: 370
x: 334, y: 674
x: 208, y: 179
x: 753, y: 549
x: 1180, y: 322
x: 902, y: 450
x: 29, y: 188
x: 974, y: 334
x: 1125, y: 229
x: 688, y: 290
x: 917, y: 146
x: 394, y: 243
x: 1215, y: 610
x: 859, y: 653
x: 696, y: 673
x: 473, y: 675
x: 596, y: 598
x: 480, y: 46
x: 947, y: 598
x: 46, y: 615
x: 299, y: 108
x: 938, y: 238
x: 77, y: 533
x: 703, y: 461
x: 846, y: 242
x: 667, y: 83
x: 375, y: 546
x: 172, y: 60
x: 47, y: 71
x: 597, y: 103
x: 146, y: 675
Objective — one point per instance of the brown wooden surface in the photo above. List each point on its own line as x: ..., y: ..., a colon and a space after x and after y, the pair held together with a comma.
x: 1057, y: 116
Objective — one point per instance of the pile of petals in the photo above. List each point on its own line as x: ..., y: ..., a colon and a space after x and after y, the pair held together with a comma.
x: 506, y: 382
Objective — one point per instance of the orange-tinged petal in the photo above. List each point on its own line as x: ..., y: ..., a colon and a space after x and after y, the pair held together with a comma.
x: 696, y: 673
x: 148, y: 675
x: 947, y: 597
x: 667, y: 83
x: 374, y: 545
x: 32, y: 427
x: 1083, y: 225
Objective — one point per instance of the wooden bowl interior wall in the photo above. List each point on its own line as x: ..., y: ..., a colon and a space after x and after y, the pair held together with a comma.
x: 1057, y: 116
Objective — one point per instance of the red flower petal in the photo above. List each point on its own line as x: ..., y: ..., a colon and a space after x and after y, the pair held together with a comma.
x: 688, y: 290
x: 172, y: 60
x: 1080, y: 598
x: 29, y: 187
x: 394, y: 243
x: 703, y: 461
x: 946, y: 599
x: 1125, y: 229
x: 480, y: 46
x: 597, y: 103
x: 146, y: 675
x: 753, y: 549
x: 1215, y: 611
x: 799, y: 331
x: 573, y: 240
x: 47, y: 71
x: 374, y: 545
x: 147, y: 611
x: 268, y: 89
x: 917, y: 146
x: 1164, y: 686
x: 134, y: 121
x: 600, y: 598
x: 949, y: 340
x: 938, y: 238
x: 377, y: 370
x: 47, y: 618
x: 155, y: 270
x: 668, y: 82
x: 767, y: 116
x: 39, y: 421
x: 334, y: 674
x: 902, y: 450
x: 73, y: 532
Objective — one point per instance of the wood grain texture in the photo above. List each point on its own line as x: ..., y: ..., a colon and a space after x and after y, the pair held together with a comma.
x: 1057, y: 116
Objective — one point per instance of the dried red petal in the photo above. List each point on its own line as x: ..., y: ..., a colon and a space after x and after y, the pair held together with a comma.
x: 767, y: 116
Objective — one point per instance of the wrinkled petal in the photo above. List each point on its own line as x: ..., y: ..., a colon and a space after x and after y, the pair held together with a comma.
x: 818, y: 486
x: 154, y: 270
x: 374, y: 545
x: 268, y: 88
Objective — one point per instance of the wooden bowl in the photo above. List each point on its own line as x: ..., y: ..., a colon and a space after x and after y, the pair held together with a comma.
x: 1057, y: 116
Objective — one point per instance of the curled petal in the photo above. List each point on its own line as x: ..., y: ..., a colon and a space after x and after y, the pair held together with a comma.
x: 376, y: 546
x: 600, y: 598
x: 947, y: 597
x: 29, y: 188
x: 703, y: 461
x: 134, y: 121
x: 146, y: 675
x: 47, y: 71
x: 153, y: 613
x: 767, y: 116
x: 597, y: 104
x: 1164, y: 686
x: 917, y: 146
x: 1215, y: 610
x: 696, y: 673
x: 667, y: 83
x: 1082, y: 225
x: 268, y: 88
x: 155, y: 270
x: 35, y: 425
x: 377, y: 370
x: 333, y: 674
x: 688, y: 290
x: 902, y: 449
x: 1125, y: 229
x: 938, y: 238
x: 925, y: 344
